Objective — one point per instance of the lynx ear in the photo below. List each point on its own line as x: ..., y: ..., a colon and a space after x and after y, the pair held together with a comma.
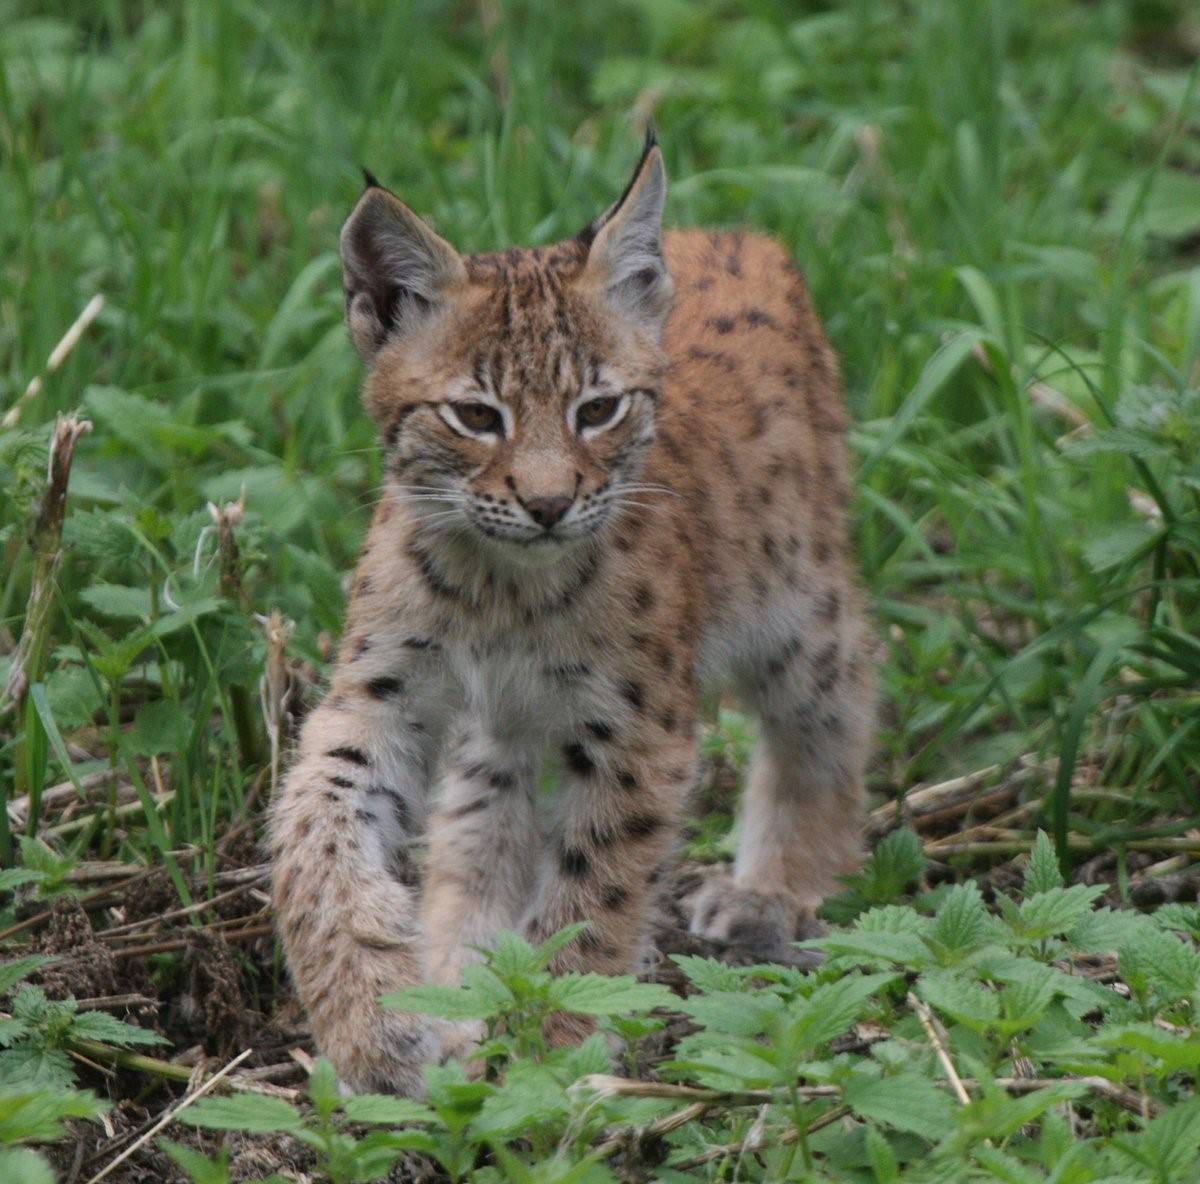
x: 625, y: 258
x: 395, y: 269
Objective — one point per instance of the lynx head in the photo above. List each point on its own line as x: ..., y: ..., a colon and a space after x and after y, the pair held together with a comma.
x: 515, y: 392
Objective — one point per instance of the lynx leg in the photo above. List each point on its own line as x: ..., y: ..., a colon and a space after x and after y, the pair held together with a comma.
x: 803, y: 800
x: 344, y: 887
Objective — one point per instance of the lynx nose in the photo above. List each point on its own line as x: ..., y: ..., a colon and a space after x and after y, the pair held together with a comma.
x: 546, y: 511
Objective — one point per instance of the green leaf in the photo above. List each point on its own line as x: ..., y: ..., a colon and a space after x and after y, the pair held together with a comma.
x: 906, y: 1102
x: 833, y: 1007
x: 253, y: 1113
x: 116, y: 600
x: 98, y: 1025
x: 448, y: 1003
x: 961, y: 923
x: 1042, y: 872
x: 1160, y: 960
x: 159, y: 727
x: 12, y: 972
x: 595, y: 994
x: 382, y: 1110
x: 28, y: 1066
x: 897, y: 861
x: 708, y: 974
x: 323, y: 1088
x: 37, y: 1114
x: 959, y: 998
x: 530, y: 1096
x: 732, y: 1013
x: 881, y: 1156
x: 1055, y: 911
x: 201, y: 1169
x: 24, y: 1167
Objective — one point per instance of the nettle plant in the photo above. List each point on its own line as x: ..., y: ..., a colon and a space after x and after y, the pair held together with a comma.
x: 37, y: 1076
x: 940, y: 1040
x: 36, y: 1038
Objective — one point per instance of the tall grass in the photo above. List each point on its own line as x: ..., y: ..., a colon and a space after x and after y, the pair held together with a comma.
x: 996, y: 206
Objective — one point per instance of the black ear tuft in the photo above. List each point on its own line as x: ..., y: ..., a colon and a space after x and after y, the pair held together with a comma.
x: 370, y: 181
x: 589, y: 232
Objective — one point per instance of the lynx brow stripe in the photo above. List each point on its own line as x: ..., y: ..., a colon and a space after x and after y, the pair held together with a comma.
x: 347, y: 752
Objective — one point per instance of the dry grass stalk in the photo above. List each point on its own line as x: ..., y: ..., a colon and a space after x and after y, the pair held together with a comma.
x: 46, y: 539
x: 58, y: 355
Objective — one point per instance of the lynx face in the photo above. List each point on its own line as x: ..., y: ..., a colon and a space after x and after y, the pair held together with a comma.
x: 516, y: 401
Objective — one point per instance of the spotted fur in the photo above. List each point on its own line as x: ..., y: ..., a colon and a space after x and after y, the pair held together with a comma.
x: 549, y: 590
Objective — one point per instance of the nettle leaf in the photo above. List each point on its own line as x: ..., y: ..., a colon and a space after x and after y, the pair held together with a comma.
x: 1054, y: 912
x: 1081, y: 994
x: 708, y: 974
x: 530, y: 1096
x: 18, y: 1166
x: 882, y: 1158
x: 1183, y: 918
x: 256, y: 1114
x: 833, y: 1007
x: 12, y: 878
x: 383, y: 1110
x: 512, y: 957
x: 13, y: 971
x: 961, y: 999
x: 1176, y: 1053
x: 1160, y: 960
x: 99, y: 1025
x: 448, y: 1003
x: 732, y: 1013
x: 961, y: 924
x: 1005, y: 1167
x: 897, y: 861
x: 888, y: 935
x: 159, y: 727
x: 1024, y: 1001
x: 1106, y: 930
x: 1168, y: 1143
x: 323, y: 1089
x: 906, y: 1102
x: 28, y: 1065
x: 1042, y: 872
x: 118, y: 601
x: 596, y: 994
x: 722, y: 1062
x: 199, y: 1167
x: 37, y: 1114
x: 12, y: 1030
x: 544, y: 954
x: 996, y: 1115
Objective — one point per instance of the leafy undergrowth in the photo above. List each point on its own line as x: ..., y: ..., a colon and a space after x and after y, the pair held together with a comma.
x: 996, y: 206
x: 1042, y: 1038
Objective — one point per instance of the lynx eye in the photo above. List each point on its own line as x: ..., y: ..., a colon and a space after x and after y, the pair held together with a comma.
x: 478, y: 417
x: 596, y: 412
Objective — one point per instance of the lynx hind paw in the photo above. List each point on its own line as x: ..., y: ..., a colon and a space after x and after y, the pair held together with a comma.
x: 393, y: 1061
x: 458, y: 1040
x: 751, y: 926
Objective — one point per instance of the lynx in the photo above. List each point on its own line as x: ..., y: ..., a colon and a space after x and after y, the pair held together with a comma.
x: 616, y: 476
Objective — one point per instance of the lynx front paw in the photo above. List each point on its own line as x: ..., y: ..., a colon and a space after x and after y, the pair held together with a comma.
x: 751, y: 926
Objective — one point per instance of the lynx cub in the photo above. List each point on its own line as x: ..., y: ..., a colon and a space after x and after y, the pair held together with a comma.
x: 616, y: 475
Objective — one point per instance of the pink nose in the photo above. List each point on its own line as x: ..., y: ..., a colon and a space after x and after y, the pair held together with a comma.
x: 546, y: 511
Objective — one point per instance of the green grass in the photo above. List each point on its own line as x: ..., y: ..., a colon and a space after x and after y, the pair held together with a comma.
x: 996, y: 206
